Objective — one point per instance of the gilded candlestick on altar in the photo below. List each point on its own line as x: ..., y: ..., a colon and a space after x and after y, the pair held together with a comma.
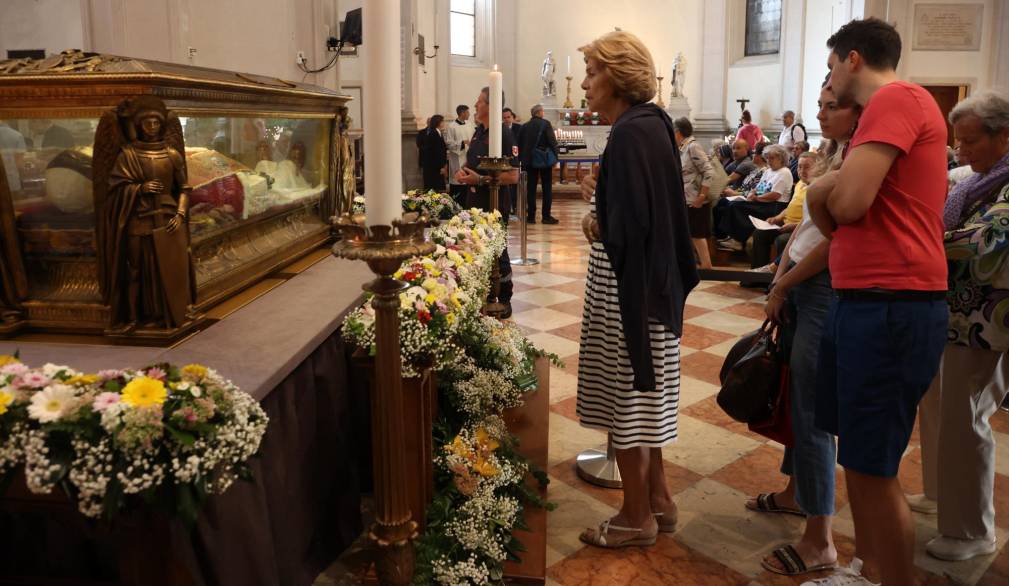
x: 494, y: 167
x: 385, y: 248
x: 567, y: 99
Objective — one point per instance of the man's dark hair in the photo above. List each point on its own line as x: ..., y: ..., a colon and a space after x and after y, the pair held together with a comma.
x: 876, y: 41
x: 746, y: 116
x: 684, y: 126
x: 460, y: 109
x: 510, y: 111
x: 434, y: 121
x: 486, y: 90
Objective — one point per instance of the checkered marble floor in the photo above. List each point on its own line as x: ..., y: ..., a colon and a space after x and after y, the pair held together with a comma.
x: 715, y: 463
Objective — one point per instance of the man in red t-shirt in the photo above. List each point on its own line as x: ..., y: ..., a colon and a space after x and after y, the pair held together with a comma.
x: 886, y: 328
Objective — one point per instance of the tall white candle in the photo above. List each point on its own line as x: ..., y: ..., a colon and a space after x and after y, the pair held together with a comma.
x: 382, y: 132
x: 569, y: 64
x: 495, y: 113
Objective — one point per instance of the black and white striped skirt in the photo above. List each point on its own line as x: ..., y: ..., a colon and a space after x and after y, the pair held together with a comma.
x: 607, y: 399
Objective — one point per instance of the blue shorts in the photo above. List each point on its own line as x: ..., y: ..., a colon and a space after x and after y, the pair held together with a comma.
x: 877, y: 359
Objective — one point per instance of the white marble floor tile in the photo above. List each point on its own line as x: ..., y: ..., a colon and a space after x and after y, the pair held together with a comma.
x: 555, y: 344
x: 543, y: 279
x: 705, y: 448
x: 544, y: 318
x: 543, y: 297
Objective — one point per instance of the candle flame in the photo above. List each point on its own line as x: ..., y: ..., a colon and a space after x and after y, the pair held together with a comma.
x: 495, y: 67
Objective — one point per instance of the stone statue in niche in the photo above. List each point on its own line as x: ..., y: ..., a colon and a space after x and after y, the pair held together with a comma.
x: 141, y: 205
x: 679, y: 75
x: 547, y: 74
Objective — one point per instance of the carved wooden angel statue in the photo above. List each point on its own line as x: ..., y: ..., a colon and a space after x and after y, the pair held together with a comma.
x: 141, y: 205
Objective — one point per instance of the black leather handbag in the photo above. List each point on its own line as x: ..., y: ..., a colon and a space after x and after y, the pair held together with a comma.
x: 751, y: 376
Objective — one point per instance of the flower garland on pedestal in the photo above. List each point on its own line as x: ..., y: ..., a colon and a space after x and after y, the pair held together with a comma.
x: 483, y: 367
x: 169, y: 435
x: 434, y: 204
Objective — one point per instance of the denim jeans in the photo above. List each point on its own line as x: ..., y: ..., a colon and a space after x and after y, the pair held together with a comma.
x: 811, y: 458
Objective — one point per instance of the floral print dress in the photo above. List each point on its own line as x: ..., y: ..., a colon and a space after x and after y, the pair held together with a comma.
x: 979, y: 277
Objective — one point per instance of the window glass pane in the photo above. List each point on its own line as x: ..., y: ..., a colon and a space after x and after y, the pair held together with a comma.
x: 463, y: 34
x: 464, y: 6
x: 763, y: 27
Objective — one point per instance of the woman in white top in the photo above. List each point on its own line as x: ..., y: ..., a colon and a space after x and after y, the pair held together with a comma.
x: 799, y: 298
x: 767, y: 199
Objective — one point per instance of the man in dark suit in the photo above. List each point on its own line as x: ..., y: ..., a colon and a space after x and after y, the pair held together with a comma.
x: 433, y: 154
x: 538, y: 133
x: 509, y: 119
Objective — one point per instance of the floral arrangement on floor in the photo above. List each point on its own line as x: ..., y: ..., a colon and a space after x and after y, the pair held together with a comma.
x: 434, y: 204
x: 483, y: 367
x: 446, y: 289
x: 164, y: 435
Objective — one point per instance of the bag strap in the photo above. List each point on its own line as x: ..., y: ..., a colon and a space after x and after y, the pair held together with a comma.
x: 539, y: 135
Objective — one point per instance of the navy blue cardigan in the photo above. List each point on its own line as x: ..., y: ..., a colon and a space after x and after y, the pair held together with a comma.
x: 642, y: 217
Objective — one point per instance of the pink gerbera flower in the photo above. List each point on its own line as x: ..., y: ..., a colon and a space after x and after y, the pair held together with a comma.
x: 156, y: 373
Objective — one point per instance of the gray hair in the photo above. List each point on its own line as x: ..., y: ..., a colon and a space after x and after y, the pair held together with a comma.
x: 535, y: 109
x: 991, y: 107
x: 788, y: 113
x: 776, y: 150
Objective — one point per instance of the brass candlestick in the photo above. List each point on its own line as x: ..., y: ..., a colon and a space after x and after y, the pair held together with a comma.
x: 567, y: 100
x: 494, y: 167
x: 385, y: 248
x: 660, y: 103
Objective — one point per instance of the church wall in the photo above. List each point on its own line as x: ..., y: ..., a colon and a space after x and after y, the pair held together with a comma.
x: 972, y: 68
x: 562, y: 26
x: 52, y: 25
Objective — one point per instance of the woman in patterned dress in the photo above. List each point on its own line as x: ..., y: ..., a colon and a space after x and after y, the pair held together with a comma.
x: 640, y: 271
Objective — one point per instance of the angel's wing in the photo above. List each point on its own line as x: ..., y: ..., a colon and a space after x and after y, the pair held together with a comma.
x: 174, y: 137
x: 109, y: 141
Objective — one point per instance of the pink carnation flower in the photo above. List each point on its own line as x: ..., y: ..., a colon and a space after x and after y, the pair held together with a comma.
x: 105, y: 400
x: 15, y: 368
x: 35, y: 379
x: 109, y: 374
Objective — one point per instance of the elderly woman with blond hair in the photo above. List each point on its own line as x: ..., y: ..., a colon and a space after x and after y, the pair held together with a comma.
x: 641, y: 269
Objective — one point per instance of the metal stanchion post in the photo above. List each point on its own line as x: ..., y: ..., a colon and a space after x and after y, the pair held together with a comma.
x: 523, y: 260
x: 598, y: 467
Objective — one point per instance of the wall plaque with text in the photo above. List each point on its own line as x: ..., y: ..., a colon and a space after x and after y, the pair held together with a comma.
x: 947, y: 27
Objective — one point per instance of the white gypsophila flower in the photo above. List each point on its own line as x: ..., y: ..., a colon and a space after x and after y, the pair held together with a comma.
x: 486, y: 392
x: 12, y: 451
x: 49, y: 369
x: 41, y: 475
x: 52, y: 403
x: 452, y: 573
x: 91, y: 473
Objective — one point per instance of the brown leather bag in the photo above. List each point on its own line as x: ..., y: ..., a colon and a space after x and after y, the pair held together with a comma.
x: 751, y: 376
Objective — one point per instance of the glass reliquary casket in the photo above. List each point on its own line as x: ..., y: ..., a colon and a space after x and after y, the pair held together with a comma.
x: 268, y: 163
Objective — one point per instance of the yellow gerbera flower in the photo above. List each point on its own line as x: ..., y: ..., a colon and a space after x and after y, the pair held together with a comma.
x: 5, y: 400
x: 82, y: 379
x: 6, y: 359
x: 194, y: 371
x: 144, y: 392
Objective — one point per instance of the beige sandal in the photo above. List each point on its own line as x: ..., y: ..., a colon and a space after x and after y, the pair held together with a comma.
x: 601, y: 538
x: 666, y: 525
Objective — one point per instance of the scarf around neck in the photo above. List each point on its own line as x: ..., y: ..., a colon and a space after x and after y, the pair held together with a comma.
x: 968, y: 192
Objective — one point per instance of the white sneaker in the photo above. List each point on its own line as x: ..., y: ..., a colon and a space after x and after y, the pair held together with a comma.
x: 730, y: 244
x: 850, y: 576
x: 920, y: 503
x: 952, y: 549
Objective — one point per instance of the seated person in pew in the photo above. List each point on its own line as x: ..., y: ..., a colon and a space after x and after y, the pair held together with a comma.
x: 768, y: 198
x: 809, y: 168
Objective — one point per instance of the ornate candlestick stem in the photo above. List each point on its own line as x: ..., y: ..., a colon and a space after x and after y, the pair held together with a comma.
x: 385, y: 248
x: 494, y: 167
x: 660, y: 103
x: 567, y: 99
